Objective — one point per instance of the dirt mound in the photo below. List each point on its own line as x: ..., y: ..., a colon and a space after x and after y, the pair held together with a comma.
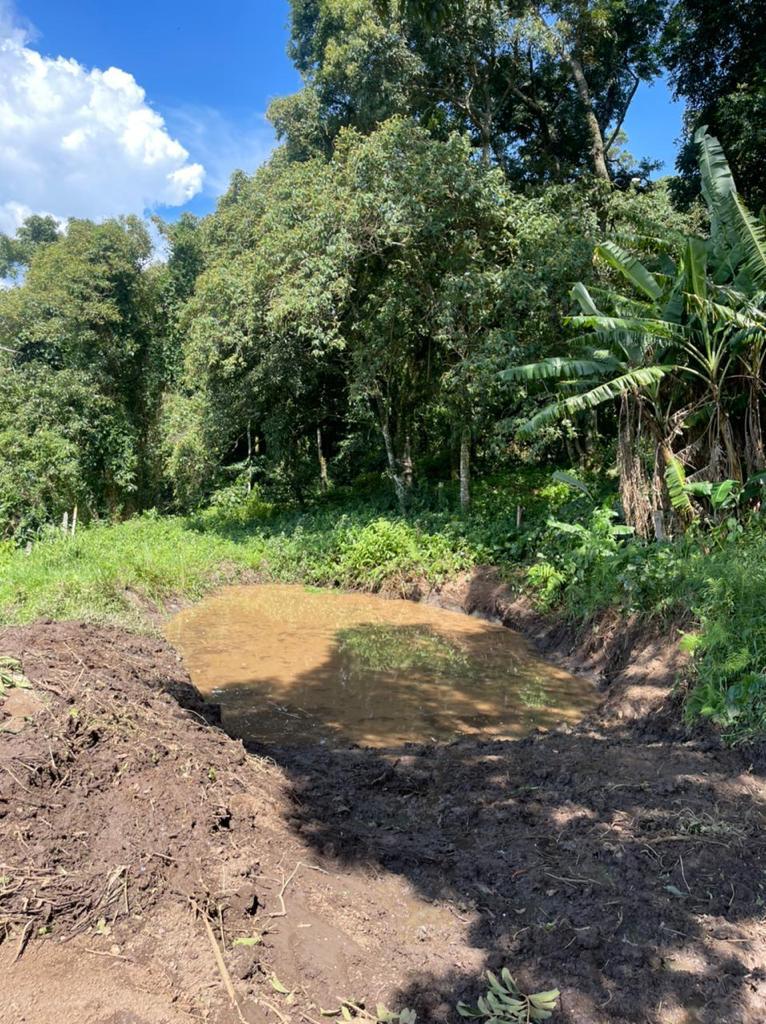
x: 127, y: 822
x: 150, y: 867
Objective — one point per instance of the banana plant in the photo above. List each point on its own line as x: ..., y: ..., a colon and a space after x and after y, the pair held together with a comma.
x: 624, y: 356
x: 738, y: 242
x: 672, y: 351
x: 721, y: 500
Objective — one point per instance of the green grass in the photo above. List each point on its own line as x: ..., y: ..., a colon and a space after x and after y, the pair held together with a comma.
x: 88, y: 577
x: 345, y: 540
x: 711, y: 581
x: 97, y: 575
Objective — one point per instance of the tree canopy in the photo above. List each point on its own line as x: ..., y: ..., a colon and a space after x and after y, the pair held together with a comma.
x: 719, y: 68
x: 542, y: 90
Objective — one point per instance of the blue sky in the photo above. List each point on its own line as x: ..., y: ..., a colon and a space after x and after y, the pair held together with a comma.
x: 653, y: 125
x: 208, y: 69
x: 193, y: 84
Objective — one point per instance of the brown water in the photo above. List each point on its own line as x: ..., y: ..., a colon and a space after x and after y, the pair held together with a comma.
x: 292, y: 664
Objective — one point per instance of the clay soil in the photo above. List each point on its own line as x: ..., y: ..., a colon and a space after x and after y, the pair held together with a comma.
x: 153, y: 871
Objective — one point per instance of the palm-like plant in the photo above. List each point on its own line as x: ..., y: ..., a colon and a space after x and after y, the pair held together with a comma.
x: 668, y: 353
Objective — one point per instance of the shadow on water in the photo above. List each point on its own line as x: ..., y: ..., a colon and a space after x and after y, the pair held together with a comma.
x: 617, y: 863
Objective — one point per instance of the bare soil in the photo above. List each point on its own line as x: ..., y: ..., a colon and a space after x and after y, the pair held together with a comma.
x: 151, y: 867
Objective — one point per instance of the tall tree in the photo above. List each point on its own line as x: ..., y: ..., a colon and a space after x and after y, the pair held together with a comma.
x: 367, y: 301
x: 718, y: 65
x: 87, y: 305
x: 16, y: 252
x: 542, y: 89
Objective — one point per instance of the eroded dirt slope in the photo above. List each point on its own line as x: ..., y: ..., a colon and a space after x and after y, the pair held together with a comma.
x: 620, y: 861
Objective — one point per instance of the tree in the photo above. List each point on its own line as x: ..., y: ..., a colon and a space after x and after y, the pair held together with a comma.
x: 543, y: 90
x: 262, y: 329
x: 720, y: 71
x: 17, y: 252
x: 358, y: 68
x: 365, y: 305
x: 667, y: 353
x: 87, y: 305
x: 60, y: 440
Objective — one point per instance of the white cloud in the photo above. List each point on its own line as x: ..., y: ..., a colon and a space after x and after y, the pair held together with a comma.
x: 76, y: 142
x: 222, y: 145
x: 12, y: 214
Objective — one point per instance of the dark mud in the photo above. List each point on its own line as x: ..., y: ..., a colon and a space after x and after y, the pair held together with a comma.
x: 621, y: 860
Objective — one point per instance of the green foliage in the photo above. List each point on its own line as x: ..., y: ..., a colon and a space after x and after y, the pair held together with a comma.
x: 535, y: 89
x: 730, y: 686
x: 16, y: 253
x: 82, y: 377
x: 722, y: 76
x: 571, y: 553
x: 59, y: 442
x: 384, y: 301
x: 107, y: 571
x: 576, y: 556
x: 189, y: 457
x: 547, y: 582
x: 504, y: 1003
x: 350, y: 1011
x: 716, y: 578
x: 387, y: 338
x: 667, y: 352
x: 11, y: 676
x: 678, y: 489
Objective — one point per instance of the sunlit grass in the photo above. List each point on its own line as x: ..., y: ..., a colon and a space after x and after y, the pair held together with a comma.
x: 715, y: 586
x: 107, y: 572
x: 92, y: 576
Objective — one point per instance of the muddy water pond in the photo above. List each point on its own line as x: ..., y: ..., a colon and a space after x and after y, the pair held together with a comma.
x: 294, y: 665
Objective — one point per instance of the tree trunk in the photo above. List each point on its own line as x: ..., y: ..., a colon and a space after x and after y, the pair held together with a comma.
x: 407, y: 470
x: 465, y: 468
x: 597, y: 147
x: 634, y: 484
x: 249, y: 459
x: 660, y: 499
x: 399, y: 488
x: 582, y: 454
x: 324, y: 480
x: 659, y: 525
x: 754, y: 448
x: 486, y: 140
x: 571, y: 453
x: 733, y: 464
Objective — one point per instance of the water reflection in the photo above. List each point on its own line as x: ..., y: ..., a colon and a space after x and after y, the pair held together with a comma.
x: 293, y: 665
x: 382, y: 648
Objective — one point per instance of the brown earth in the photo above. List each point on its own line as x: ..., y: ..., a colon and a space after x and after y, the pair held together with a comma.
x: 621, y: 861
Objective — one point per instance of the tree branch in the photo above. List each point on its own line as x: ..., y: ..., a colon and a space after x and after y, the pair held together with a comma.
x: 626, y: 106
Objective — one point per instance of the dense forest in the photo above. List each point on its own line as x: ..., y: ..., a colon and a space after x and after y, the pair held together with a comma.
x: 450, y: 269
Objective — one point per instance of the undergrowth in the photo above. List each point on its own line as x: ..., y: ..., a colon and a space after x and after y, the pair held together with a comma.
x: 108, y: 570
x: 711, y: 581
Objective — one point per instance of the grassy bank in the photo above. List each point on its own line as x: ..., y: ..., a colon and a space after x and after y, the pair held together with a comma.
x: 344, y: 541
x: 570, y: 554
x: 97, y: 575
